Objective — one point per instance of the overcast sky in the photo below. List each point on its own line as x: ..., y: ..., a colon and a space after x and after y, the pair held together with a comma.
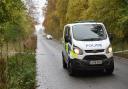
x: 38, y: 12
x: 39, y: 4
x: 39, y: 16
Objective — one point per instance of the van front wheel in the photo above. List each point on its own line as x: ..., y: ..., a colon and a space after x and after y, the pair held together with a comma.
x: 64, y: 64
x: 71, y: 71
x: 111, y: 69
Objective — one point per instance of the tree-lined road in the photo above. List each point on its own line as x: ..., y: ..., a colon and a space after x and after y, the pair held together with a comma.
x: 51, y: 75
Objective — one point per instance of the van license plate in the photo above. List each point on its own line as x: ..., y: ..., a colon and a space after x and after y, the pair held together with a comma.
x: 96, y: 62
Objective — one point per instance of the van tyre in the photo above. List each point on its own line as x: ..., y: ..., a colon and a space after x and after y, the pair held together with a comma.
x: 64, y: 64
x: 71, y: 71
x: 110, y: 70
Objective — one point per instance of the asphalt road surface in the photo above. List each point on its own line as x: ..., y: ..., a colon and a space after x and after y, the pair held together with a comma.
x: 51, y: 75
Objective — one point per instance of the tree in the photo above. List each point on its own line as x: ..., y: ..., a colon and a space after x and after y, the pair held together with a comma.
x: 14, y: 20
x: 113, y: 13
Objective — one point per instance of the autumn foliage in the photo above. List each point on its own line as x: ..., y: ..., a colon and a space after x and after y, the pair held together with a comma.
x: 113, y: 13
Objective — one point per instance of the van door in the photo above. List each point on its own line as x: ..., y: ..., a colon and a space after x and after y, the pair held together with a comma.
x: 68, y: 41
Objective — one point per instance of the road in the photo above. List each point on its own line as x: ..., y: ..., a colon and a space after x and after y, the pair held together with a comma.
x: 51, y: 75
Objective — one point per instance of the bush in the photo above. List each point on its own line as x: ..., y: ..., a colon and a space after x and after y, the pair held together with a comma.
x: 3, y: 76
x: 21, y: 71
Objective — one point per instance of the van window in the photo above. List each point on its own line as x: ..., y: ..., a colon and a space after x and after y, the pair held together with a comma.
x: 89, y: 32
x: 67, y: 33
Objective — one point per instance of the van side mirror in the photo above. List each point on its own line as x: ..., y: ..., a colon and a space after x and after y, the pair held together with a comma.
x: 67, y: 39
x: 111, y: 35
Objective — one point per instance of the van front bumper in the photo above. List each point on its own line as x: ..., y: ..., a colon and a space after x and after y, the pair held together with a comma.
x: 78, y: 64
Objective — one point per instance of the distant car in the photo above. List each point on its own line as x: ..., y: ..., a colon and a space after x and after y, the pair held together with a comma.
x: 49, y: 37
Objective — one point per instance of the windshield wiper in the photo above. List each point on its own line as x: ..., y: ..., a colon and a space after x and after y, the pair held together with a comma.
x: 91, y: 39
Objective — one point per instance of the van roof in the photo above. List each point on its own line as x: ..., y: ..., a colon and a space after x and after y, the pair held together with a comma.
x: 87, y: 22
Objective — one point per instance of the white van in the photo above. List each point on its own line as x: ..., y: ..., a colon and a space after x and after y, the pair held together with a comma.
x: 86, y: 46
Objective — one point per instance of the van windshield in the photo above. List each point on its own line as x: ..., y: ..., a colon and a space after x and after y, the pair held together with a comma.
x: 89, y: 32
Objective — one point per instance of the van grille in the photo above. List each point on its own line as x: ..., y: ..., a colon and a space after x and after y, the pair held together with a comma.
x: 94, y: 51
x: 95, y: 57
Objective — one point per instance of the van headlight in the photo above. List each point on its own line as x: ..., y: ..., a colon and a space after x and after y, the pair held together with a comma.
x: 78, y: 51
x: 109, y: 49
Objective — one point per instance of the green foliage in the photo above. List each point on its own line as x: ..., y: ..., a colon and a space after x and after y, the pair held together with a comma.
x: 75, y: 9
x: 61, y: 13
x: 18, y: 72
x: 21, y: 72
x: 113, y: 13
x: 14, y: 21
x: 3, y: 76
x: 106, y: 11
x: 9, y: 9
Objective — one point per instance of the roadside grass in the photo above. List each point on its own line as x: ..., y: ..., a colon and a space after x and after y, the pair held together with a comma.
x: 120, y: 46
x: 125, y: 55
x: 21, y: 71
x: 3, y: 74
x: 17, y: 65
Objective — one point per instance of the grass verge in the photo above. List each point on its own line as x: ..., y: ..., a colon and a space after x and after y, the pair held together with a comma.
x: 21, y: 71
x: 121, y: 46
x: 124, y: 55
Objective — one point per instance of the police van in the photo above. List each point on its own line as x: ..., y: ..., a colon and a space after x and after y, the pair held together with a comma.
x: 86, y: 46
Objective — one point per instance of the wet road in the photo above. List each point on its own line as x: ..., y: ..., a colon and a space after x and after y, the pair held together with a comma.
x: 51, y: 75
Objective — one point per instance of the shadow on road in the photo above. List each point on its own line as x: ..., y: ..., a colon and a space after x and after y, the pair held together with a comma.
x: 92, y: 74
